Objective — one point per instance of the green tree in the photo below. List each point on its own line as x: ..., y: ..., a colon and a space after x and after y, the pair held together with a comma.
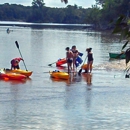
x: 38, y: 3
x: 66, y: 1
x: 37, y: 10
x: 93, y: 16
x: 122, y: 27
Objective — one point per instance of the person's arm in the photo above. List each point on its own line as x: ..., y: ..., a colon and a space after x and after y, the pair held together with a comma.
x: 66, y: 55
x: 77, y: 53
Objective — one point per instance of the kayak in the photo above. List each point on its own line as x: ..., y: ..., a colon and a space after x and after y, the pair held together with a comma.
x: 59, y: 75
x: 61, y: 62
x: 84, y: 67
x: 19, y: 71
x: 11, y: 76
x: 117, y: 55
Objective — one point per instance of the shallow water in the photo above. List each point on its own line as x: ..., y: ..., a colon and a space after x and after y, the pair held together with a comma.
x: 45, y: 103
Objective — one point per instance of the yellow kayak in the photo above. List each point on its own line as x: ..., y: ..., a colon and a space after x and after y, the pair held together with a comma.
x: 19, y: 71
x: 59, y: 75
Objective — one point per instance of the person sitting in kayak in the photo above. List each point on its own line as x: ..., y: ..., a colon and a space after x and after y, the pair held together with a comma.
x: 15, y: 63
x: 69, y: 58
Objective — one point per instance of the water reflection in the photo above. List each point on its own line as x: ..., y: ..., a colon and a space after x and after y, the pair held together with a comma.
x: 14, y: 82
x: 88, y: 78
x: 88, y: 98
x: 74, y: 78
x: 78, y: 97
x: 59, y: 80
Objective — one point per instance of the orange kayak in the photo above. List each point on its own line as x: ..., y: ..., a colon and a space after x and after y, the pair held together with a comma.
x: 84, y: 67
x: 11, y: 76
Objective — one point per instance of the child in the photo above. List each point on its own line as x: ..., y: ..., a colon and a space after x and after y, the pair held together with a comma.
x: 75, y: 55
x: 69, y: 58
x: 90, y: 59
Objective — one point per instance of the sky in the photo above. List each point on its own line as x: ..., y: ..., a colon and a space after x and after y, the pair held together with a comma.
x: 53, y: 3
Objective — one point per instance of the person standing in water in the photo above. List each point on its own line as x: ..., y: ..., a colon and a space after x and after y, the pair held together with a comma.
x: 75, y: 55
x: 90, y: 59
x: 69, y: 58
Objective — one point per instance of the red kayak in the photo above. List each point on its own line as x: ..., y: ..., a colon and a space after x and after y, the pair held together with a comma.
x: 61, y: 62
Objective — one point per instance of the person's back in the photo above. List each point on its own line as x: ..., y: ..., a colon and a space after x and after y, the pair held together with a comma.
x: 69, y: 58
x: 69, y: 54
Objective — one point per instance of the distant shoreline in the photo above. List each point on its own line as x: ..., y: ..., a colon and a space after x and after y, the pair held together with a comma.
x: 46, y: 25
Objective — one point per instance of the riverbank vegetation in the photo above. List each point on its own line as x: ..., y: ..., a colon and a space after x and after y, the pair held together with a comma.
x: 99, y: 14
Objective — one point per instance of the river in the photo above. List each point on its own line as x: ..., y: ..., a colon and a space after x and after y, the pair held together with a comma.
x: 43, y: 103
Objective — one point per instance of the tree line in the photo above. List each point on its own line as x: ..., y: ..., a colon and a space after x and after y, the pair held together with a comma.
x: 70, y: 14
x: 99, y: 14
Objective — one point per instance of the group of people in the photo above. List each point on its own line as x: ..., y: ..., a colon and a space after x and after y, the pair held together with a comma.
x: 72, y: 54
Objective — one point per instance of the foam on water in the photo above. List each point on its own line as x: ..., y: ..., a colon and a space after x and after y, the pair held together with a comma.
x: 118, y: 65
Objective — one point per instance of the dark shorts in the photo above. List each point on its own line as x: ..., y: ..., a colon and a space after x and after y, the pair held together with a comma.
x: 90, y: 61
x: 69, y: 60
x: 15, y: 67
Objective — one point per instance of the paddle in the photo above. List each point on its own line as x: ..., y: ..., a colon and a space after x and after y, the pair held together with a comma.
x: 17, y: 45
x: 52, y: 63
x: 79, y: 73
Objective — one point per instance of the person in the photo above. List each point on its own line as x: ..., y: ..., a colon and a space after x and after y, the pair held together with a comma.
x: 8, y: 31
x: 15, y: 63
x: 75, y: 55
x: 90, y: 59
x: 69, y: 58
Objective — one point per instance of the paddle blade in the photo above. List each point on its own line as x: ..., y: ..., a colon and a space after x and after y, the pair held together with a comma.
x: 49, y: 64
x: 17, y: 44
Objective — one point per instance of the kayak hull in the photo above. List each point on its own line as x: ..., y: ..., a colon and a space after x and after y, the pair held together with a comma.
x: 59, y: 75
x: 61, y: 62
x: 11, y: 76
x: 84, y: 67
x: 19, y: 71
x: 117, y: 55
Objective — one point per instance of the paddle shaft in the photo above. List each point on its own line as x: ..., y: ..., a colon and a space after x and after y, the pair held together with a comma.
x: 83, y: 64
x: 84, y: 60
x: 20, y: 54
x: 52, y: 63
